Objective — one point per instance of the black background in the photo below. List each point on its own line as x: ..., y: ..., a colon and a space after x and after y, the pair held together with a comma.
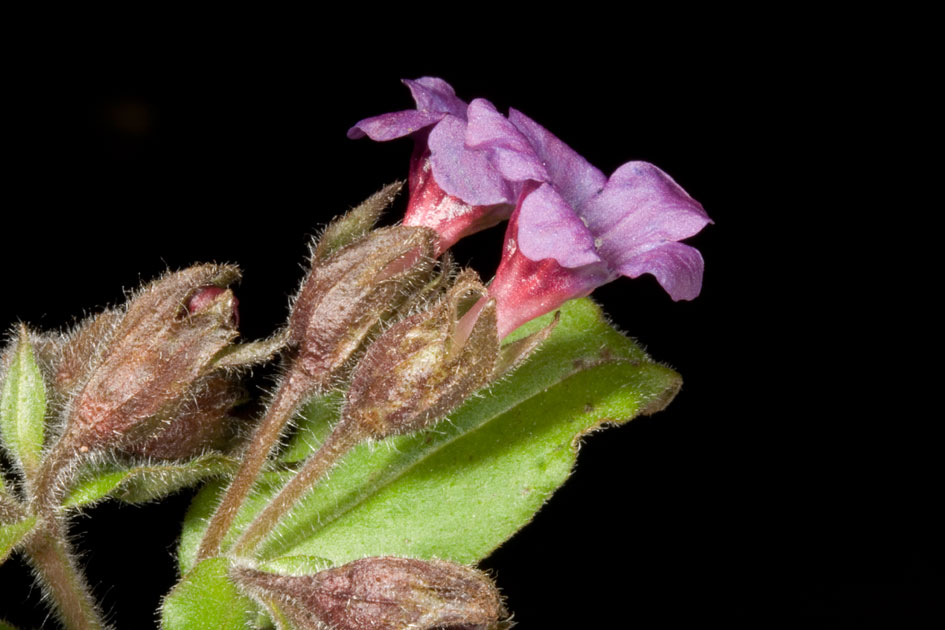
x: 765, y: 490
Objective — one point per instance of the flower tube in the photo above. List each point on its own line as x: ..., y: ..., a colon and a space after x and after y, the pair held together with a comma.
x: 453, y: 190
x: 574, y: 229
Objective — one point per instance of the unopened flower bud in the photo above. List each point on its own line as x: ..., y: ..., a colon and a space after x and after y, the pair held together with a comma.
x: 165, y: 340
x: 423, y: 367
x: 381, y: 593
x: 205, y: 296
x: 348, y: 292
x: 200, y: 421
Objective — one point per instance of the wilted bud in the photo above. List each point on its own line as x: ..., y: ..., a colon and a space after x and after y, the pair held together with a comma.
x: 155, y: 350
x: 200, y: 421
x: 423, y: 367
x: 349, y: 291
x: 384, y: 593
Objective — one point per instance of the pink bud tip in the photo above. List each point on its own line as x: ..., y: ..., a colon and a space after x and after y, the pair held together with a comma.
x: 204, y: 296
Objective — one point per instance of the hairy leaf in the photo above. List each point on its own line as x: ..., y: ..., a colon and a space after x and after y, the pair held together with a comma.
x: 12, y: 534
x: 23, y: 407
x: 143, y: 483
x: 206, y: 599
x: 458, y: 491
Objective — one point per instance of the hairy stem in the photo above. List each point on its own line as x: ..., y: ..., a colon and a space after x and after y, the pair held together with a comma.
x: 48, y: 488
x: 49, y: 554
x: 334, y: 448
x: 295, y: 388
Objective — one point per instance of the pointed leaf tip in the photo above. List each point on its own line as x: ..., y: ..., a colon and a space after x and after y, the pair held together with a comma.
x: 356, y: 222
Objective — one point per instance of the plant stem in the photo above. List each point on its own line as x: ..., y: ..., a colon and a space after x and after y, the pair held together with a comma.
x: 48, y: 488
x: 336, y: 445
x: 49, y: 553
x: 294, y: 389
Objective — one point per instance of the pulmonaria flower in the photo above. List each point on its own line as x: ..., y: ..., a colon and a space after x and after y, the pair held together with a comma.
x: 453, y: 190
x: 573, y: 228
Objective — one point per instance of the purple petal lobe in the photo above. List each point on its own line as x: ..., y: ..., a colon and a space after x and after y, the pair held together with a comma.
x: 576, y: 178
x: 394, y: 125
x: 436, y: 95
x: 677, y: 267
x: 463, y: 173
x: 549, y: 228
x: 640, y: 208
x: 510, y: 151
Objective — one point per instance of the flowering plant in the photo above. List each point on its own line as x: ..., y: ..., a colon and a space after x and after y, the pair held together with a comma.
x: 479, y: 391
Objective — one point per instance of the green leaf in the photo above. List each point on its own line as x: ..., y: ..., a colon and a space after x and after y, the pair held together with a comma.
x: 23, y: 406
x: 206, y: 599
x: 12, y: 534
x: 458, y: 491
x: 6, y: 626
x: 317, y: 418
x: 146, y: 482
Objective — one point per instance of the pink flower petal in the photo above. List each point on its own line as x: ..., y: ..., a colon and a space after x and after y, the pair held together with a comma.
x: 547, y: 227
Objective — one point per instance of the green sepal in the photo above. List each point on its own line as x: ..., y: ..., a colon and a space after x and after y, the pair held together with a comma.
x: 12, y: 534
x: 238, y: 355
x: 142, y: 483
x: 295, y: 565
x: 355, y: 223
x: 458, y: 491
x: 23, y: 407
x: 207, y: 599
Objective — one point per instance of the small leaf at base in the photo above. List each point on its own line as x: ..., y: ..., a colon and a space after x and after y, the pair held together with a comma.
x: 142, y: 483
x: 206, y: 599
x: 12, y: 534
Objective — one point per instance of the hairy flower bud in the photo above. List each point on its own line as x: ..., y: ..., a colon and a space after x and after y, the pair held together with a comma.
x: 348, y: 292
x: 165, y: 340
x: 199, y: 422
x: 382, y: 593
x: 80, y: 351
x: 423, y: 367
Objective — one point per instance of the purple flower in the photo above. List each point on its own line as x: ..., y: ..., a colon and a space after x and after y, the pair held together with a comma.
x: 574, y: 229
x: 453, y: 190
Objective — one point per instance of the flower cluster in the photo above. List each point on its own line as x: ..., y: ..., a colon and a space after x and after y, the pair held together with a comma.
x: 381, y: 319
x: 571, y: 228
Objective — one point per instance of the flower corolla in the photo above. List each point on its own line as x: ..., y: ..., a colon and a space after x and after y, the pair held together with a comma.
x: 573, y: 228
